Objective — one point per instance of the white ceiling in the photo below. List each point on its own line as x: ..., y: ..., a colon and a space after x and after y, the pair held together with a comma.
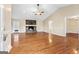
x: 25, y: 11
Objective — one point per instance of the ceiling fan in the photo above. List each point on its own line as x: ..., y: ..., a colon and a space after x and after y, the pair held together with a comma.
x: 39, y: 11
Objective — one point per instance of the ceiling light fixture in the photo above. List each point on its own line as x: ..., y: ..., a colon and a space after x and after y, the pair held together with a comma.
x: 39, y: 11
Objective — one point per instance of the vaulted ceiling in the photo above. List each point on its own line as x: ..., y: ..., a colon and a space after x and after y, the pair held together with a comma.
x: 25, y: 11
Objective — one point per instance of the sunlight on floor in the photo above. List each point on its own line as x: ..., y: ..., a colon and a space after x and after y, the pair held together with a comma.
x: 50, y: 30
x: 16, y: 39
x: 75, y: 51
x: 50, y: 38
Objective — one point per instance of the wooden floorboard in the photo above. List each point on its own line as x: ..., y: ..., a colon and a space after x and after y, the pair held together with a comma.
x: 43, y: 43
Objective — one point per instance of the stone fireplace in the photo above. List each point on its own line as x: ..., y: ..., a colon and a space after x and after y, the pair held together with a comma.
x: 31, y: 26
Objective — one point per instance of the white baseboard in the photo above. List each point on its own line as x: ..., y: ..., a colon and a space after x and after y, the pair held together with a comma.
x: 56, y: 34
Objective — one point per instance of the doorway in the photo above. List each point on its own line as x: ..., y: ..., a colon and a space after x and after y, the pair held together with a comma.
x: 72, y: 32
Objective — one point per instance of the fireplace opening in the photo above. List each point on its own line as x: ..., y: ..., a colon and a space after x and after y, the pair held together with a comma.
x: 30, y: 28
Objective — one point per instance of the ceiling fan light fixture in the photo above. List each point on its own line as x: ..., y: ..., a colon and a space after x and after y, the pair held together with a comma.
x: 38, y: 11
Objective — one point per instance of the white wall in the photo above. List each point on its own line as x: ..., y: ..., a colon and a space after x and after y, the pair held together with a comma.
x: 40, y: 26
x: 72, y: 25
x: 22, y: 26
x: 58, y: 18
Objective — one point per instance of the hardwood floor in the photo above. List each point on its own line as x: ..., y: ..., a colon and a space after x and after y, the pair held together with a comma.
x: 72, y: 40
x: 42, y: 43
